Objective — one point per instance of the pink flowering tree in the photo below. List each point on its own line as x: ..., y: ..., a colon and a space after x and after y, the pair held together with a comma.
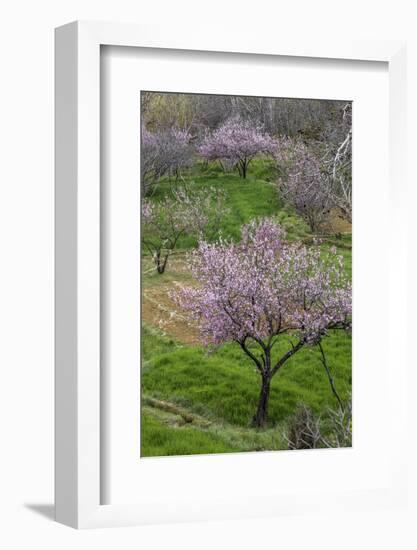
x: 163, y: 152
x: 262, y: 291
x: 182, y: 212
x: 237, y: 143
x: 305, y: 183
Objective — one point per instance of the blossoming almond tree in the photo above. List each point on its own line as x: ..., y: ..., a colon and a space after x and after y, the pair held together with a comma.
x: 261, y: 291
x: 305, y: 184
x: 165, y: 151
x: 237, y: 142
x: 183, y: 212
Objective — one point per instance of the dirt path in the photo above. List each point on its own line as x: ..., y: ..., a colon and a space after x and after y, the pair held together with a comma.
x: 336, y: 223
x: 158, y: 309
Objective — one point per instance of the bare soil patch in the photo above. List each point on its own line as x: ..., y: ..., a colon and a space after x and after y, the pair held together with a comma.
x: 159, y: 310
x: 336, y: 223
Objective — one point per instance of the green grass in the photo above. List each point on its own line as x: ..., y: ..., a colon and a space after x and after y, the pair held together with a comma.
x: 253, y: 197
x: 164, y: 434
x: 247, y: 199
x: 224, y: 385
x: 154, y: 345
x: 221, y: 389
x: 161, y: 440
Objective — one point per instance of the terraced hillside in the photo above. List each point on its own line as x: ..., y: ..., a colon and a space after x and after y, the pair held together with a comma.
x: 197, y: 402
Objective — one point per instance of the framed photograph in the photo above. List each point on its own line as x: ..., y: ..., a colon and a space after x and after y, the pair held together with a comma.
x: 222, y: 208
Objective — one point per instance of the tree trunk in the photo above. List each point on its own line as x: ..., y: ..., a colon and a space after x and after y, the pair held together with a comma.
x: 244, y: 169
x: 160, y: 264
x: 261, y: 416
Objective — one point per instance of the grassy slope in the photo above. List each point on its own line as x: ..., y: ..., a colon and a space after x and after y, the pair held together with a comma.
x: 159, y: 439
x: 246, y: 198
x: 223, y: 387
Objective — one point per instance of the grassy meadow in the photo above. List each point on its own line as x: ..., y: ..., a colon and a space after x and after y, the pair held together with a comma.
x: 195, y: 402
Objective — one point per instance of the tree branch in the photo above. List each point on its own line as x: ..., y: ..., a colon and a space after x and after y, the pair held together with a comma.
x: 251, y: 355
x: 332, y: 384
x: 287, y: 356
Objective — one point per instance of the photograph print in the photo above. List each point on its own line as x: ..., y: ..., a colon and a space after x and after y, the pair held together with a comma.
x: 246, y: 261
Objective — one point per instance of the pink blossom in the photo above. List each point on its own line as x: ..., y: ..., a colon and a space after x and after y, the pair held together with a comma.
x: 237, y: 142
x: 165, y: 151
x: 185, y: 211
x: 261, y: 289
x: 305, y: 182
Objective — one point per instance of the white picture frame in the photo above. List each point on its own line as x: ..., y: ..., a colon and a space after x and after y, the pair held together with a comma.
x: 78, y: 406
